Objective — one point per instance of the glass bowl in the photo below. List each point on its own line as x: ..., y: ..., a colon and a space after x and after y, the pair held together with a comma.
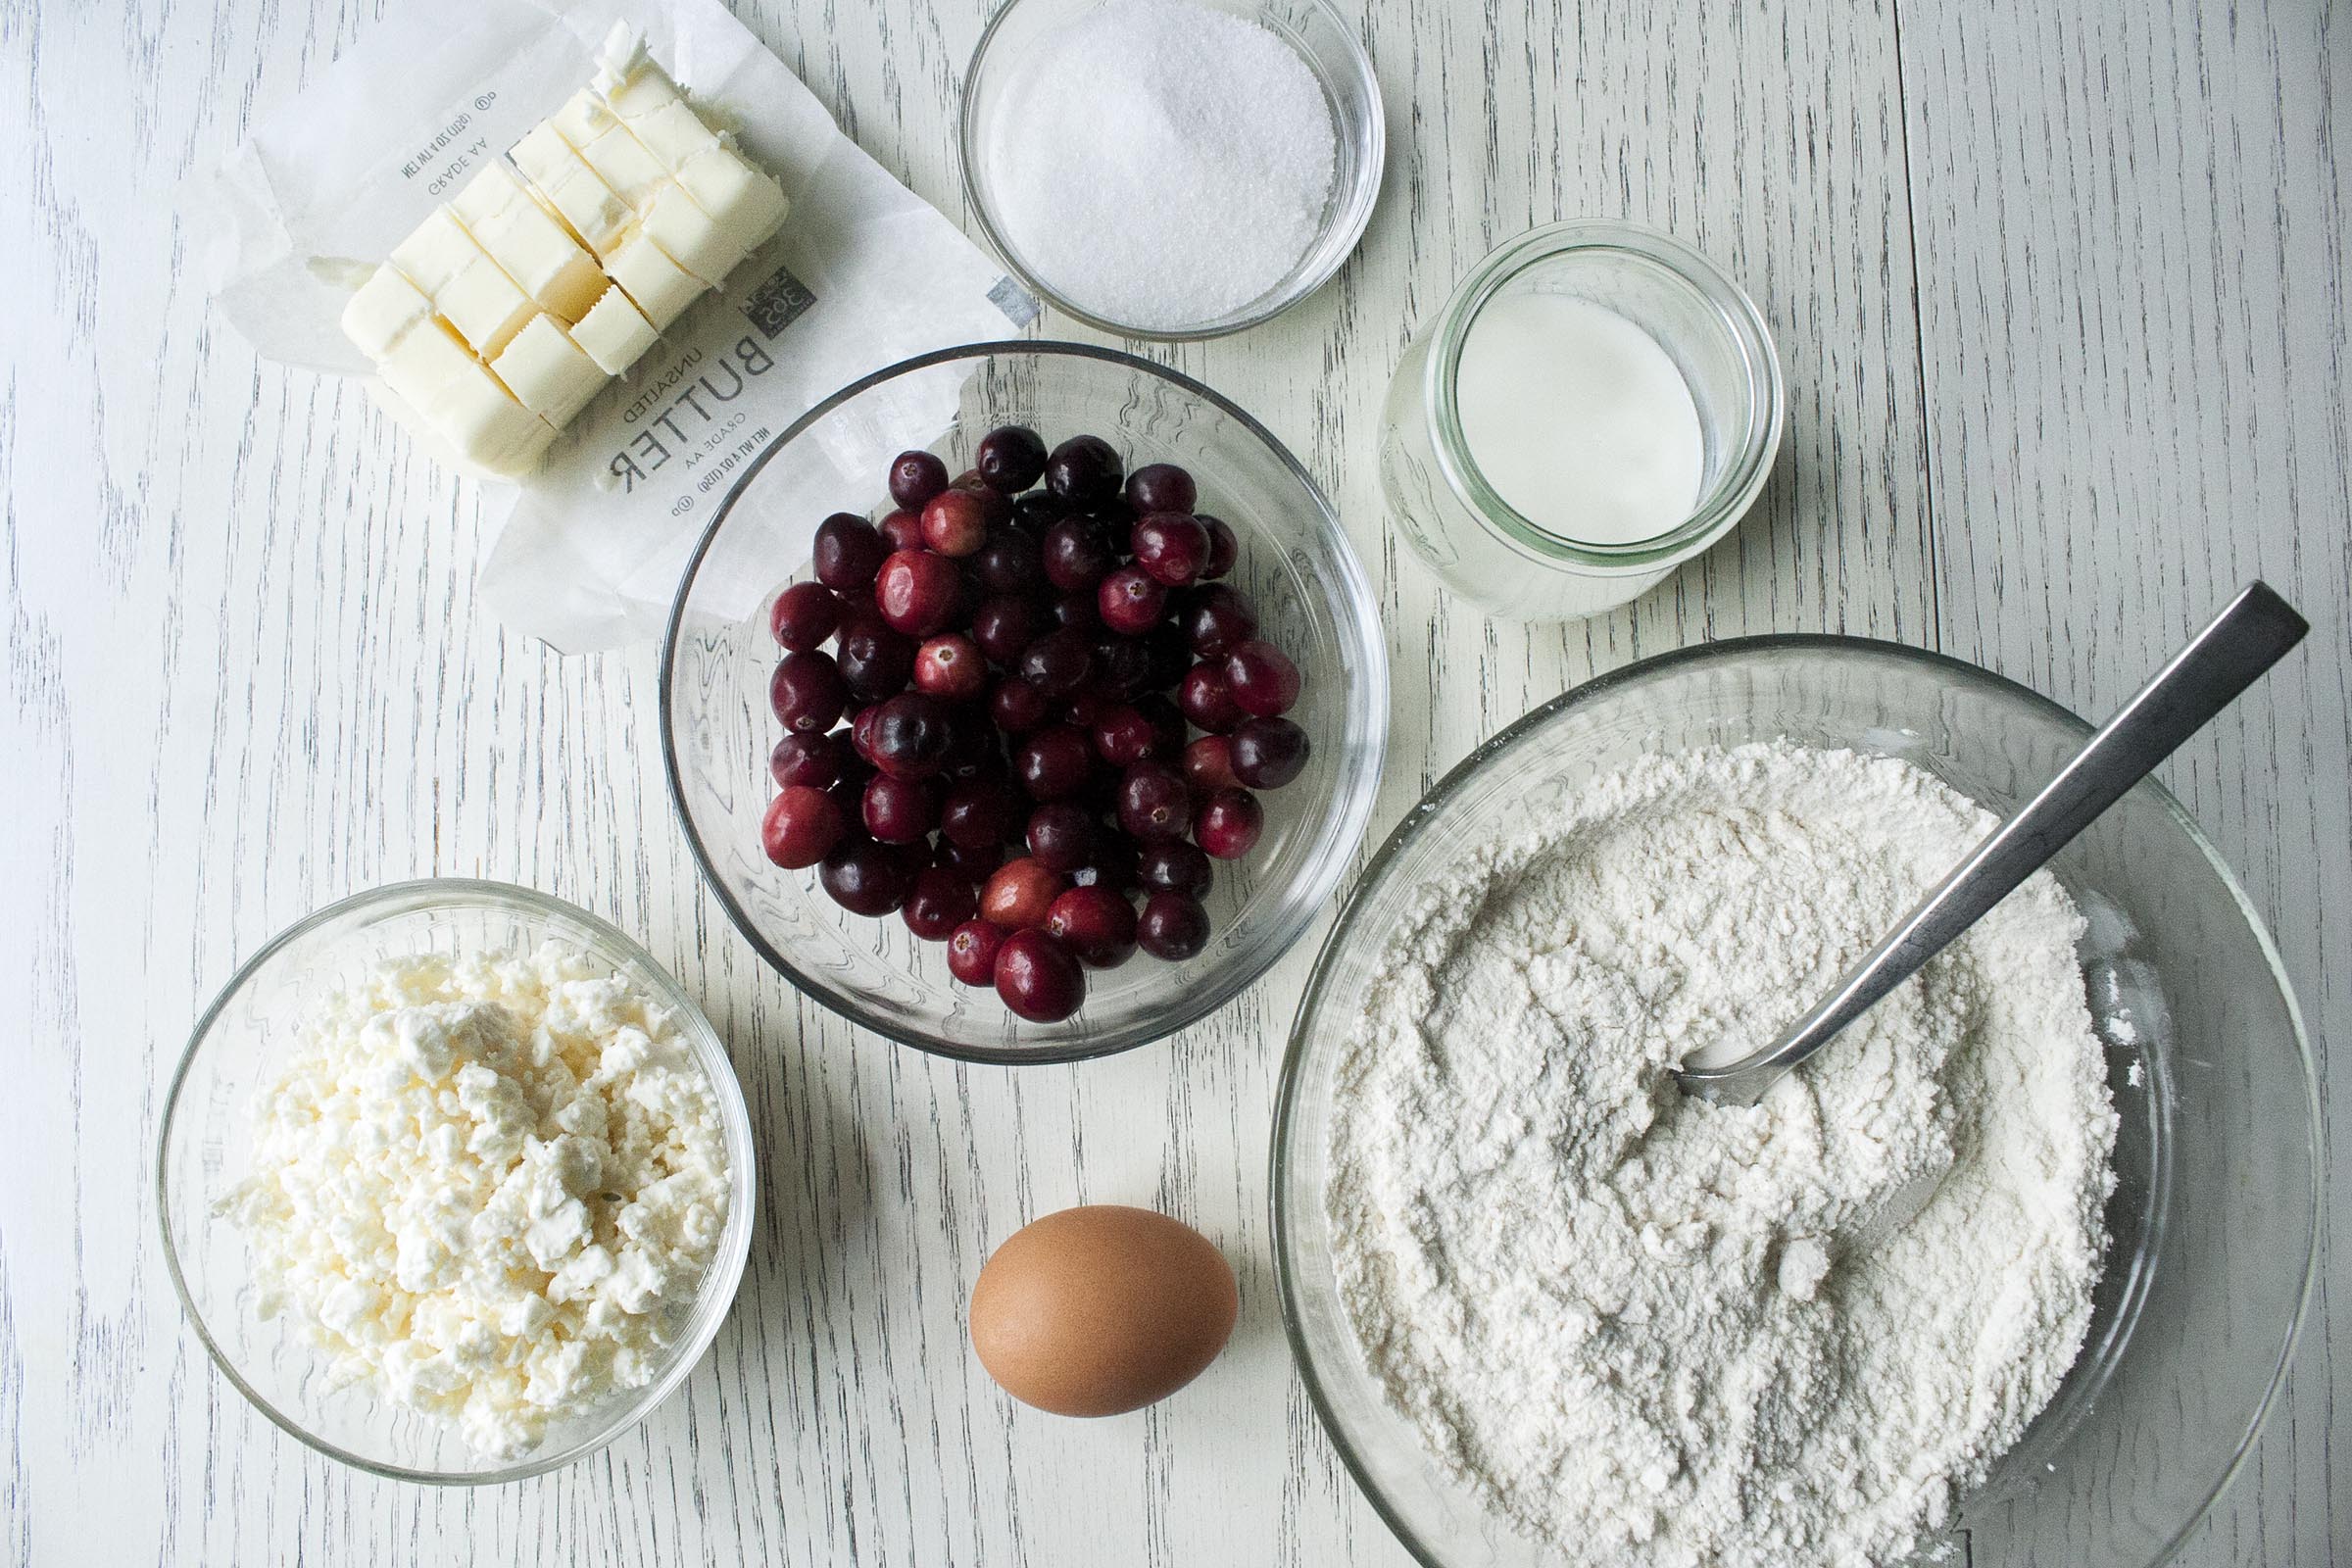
x: 1350, y: 89
x: 241, y: 1043
x: 2215, y: 1216
x: 1296, y: 564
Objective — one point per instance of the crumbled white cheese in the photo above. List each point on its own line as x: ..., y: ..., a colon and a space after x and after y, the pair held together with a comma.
x: 488, y: 1187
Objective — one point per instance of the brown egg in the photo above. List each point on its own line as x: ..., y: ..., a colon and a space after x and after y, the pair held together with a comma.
x: 1101, y: 1310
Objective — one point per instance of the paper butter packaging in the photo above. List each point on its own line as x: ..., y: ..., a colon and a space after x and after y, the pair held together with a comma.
x: 861, y: 273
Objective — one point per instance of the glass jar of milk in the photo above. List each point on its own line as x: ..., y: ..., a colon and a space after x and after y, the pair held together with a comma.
x: 1596, y: 404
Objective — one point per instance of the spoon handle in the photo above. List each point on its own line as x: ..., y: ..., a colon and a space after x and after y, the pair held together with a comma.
x: 2248, y: 638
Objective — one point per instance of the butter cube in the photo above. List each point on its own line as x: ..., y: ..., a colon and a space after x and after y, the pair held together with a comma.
x: 383, y: 309
x: 583, y: 119
x: 597, y: 218
x: 532, y: 247
x: 480, y: 418
x: 672, y: 133
x: 621, y: 161
x: 659, y: 286
x: 424, y: 362
x: 689, y: 237
x: 747, y: 205
x: 484, y: 305
x: 614, y: 333
x: 437, y: 251
x: 548, y: 372
x: 631, y: 84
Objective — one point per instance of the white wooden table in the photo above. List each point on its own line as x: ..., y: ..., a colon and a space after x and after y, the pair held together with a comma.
x: 2061, y: 289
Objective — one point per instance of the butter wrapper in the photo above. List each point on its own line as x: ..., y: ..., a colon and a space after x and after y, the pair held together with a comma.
x: 863, y: 274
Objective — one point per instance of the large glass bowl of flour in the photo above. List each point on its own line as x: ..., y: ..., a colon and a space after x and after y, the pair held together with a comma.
x: 2213, y: 1222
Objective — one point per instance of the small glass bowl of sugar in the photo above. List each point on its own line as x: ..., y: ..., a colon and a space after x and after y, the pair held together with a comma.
x: 1172, y: 168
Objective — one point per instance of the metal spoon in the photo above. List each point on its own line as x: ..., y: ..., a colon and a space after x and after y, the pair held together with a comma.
x: 2225, y: 658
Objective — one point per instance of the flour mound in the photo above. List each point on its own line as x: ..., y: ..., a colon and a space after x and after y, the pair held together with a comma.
x: 1651, y: 1330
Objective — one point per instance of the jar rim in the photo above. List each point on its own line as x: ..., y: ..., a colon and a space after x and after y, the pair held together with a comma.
x: 1743, y: 325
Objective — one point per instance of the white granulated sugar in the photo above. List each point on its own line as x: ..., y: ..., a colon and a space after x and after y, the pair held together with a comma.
x: 1163, y: 164
x: 1651, y: 1330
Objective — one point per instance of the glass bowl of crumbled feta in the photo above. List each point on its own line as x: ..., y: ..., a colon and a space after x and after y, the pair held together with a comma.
x: 456, y: 1182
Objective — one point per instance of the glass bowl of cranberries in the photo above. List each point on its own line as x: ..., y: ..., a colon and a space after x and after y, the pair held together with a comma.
x: 1024, y: 701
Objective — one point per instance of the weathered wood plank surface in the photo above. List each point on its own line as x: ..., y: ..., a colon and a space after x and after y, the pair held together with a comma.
x: 246, y: 674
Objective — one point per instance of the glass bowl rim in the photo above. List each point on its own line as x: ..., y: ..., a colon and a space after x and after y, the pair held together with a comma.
x: 1409, y: 828
x: 1715, y: 512
x: 1369, y: 695
x: 1352, y: 211
x: 728, y: 1266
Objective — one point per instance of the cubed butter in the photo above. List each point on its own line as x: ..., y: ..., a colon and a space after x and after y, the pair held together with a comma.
x: 478, y: 416
x: 424, y: 362
x: 747, y: 205
x: 548, y: 372
x: 382, y: 310
x: 437, y: 251
x: 689, y: 237
x: 535, y: 250
x: 484, y: 305
x: 597, y: 218
x: 582, y: 119
x: 614, y: 333
x: 659, y: 286
x: 630, y: 82
x: 672, y: 133
x: 621, y: 161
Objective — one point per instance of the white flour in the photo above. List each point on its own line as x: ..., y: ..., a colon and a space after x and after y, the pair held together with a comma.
x: 1652, y: 1331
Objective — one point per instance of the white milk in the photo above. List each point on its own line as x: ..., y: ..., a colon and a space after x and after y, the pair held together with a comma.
x: 1579, y: 419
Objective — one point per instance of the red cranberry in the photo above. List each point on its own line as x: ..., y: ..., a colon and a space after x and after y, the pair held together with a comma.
x: 1038, y: 978
x: 980, y: 812
x: 1131, y: 601
x: 901, y: 529
x: 1161, y: 487
x: 849, y: 552
x: 1015, y: 707
x: 1169, y: 655
x: 950, y: 666
x: 1075, y: 556
x: 1171, y: 546
x: 954, y: 523
x: 1012, y: 457
x: 1124, y: 737
x: 799, y: 757
x: 911, y: 736
x: 1268, y: 753
x: 972, y: 951
x: 973, y: 746
x: 1208, y: 764
x: 1088, y: 708
x: 1038, y: 511
x: 1216, y: 619
x: 1096, y: 924
x: 865, y: 877
x: 939, y: 901
x: 875, y: 661
x: 1224, y: 548
x: 1061, y: 836
x: 898, y: 811
x: 1113, y: 864
x: 1053, y: 764
x: 1020, y: 893
x: 1167, y: 725
x: 915, y: 477
x: 1005, y: 625
x: 1058, y: 663
x: 1122, y: 667
x: 1175, y: 865
x: 1207, y: 699
x: 975, y: 863
x: 800, y: 827
x: 808, y: 692
x: 803, y: 615
x: 915, y: 591
x: 1153, y: 802
x: 1078, y: 612
x: 1231, y: 821
x: 1173, y: 926
x: 1262, y: 677
x: 1010, y: 563
x: 1083, y: 470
